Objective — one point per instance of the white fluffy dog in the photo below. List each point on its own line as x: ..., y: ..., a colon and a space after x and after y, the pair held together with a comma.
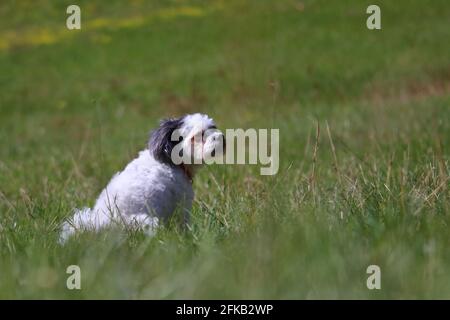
x: 153, y: 186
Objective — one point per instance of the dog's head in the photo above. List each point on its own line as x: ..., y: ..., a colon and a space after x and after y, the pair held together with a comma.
x: 192, y: 139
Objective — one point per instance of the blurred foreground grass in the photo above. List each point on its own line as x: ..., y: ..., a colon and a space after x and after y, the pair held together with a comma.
x: 364, y: 127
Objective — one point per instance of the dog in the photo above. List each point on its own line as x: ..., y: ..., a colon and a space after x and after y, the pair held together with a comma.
x: 155, y: 184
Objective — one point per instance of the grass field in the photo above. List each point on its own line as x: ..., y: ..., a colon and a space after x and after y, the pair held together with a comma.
x: 364, y: 146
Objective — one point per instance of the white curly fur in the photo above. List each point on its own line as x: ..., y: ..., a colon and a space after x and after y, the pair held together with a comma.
x: 148, y: 190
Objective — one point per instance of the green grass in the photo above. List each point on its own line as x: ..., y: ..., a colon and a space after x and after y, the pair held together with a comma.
x: 370, y: 187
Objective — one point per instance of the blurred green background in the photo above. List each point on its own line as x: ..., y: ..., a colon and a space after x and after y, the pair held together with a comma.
x: 364, y: 146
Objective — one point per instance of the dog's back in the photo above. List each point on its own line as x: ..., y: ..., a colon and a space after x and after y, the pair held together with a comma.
x: 145, y: 192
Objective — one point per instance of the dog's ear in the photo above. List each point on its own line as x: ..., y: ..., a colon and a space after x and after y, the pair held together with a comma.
x: 160, y: 144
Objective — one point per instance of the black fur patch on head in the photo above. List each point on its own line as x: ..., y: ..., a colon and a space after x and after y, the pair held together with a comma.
x: 160, y: 144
